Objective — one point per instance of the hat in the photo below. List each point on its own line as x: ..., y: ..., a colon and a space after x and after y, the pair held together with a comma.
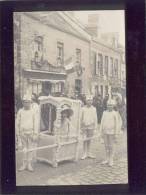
x: 89, y: 97
x: 26, y: 97
x: 67, y: 108
x: 111, y: 102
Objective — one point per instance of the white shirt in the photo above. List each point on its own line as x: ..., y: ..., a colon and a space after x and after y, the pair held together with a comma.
x: 27, y: 121
x: 89, y: 116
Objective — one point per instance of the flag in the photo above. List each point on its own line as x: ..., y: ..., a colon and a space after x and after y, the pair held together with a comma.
x: 69, y: 65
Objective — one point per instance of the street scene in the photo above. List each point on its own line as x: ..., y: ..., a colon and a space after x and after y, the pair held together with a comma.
x: 70, y: 98
x: 87, y: 172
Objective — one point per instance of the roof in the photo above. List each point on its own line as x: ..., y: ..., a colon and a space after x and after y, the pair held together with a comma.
x: 101, y: 42
x: 60, y: 21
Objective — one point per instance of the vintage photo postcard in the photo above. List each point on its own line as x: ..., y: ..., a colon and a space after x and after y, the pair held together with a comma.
x: 70, y: 98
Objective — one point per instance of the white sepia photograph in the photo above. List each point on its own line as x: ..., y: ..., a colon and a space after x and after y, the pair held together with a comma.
x: 70, y: 98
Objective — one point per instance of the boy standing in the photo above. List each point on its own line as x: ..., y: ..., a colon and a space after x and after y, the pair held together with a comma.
x: 88, y: 125
x: 27, y: 125
x: 109, y: 131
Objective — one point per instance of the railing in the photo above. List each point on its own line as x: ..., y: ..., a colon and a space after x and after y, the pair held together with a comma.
x: 57, y: 144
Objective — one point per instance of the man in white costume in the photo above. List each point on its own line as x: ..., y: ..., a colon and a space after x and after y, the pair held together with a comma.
x: 88, y: 125
x: 27, y: 125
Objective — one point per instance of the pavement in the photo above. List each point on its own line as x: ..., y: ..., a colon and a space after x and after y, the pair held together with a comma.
x: 82, y: 172
x: 94, y: 175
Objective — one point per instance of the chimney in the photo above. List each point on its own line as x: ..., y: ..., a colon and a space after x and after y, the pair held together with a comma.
x: 93, y: 25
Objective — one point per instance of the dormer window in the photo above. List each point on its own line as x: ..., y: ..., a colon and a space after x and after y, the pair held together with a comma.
x: 38, y: 53
x: 60, y: 54
x: 39, y: 43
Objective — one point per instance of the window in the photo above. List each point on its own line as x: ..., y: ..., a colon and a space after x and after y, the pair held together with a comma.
x: 116, y: 68
x: 96, y: 90
x: 94, y: 63
x: 106, y: 90
x: 39, y: 43
x: 106, y: 65
x: 111, y: 67
x: 38, y: 53
x: 36, y: 88
x: 78, y: 56
x: 100, y: 64
x: 36, y: 57
x: 78, y: 85
x: 60, y: 54
x: 57, y: 87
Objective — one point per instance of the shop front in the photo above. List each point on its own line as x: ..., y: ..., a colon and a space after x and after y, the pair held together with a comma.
x: 43, y: 82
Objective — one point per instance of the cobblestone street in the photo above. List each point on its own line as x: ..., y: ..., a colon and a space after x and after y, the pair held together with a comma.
x: 83, y: 172
x: 94, y: 174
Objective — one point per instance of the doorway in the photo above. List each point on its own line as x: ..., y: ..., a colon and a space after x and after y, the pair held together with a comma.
x: 46, y: 88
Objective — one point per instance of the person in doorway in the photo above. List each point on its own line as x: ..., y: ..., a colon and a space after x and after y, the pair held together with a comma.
x: 105, y: 101
x: 27, y: 131
x: 109, y: 131
x: 98, y: 103
x: 88, y: 126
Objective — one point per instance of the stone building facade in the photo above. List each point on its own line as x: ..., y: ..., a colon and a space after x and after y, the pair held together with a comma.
x: 106, y: 69
x: 106, y: 59
x: 55, y: 54
x: 52, y: 53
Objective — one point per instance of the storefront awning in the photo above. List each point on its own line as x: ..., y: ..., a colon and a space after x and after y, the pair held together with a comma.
x: 40, y: 75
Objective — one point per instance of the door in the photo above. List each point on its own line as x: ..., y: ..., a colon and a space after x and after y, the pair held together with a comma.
x: 78, y: 86
x: 46, y: 88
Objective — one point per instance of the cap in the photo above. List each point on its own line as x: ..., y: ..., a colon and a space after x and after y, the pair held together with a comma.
x: 27, y: 97
x: 67, y: 108
x: 111, y: 102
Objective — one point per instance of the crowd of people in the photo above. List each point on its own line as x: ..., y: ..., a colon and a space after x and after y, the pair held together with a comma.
x: 105, y: 115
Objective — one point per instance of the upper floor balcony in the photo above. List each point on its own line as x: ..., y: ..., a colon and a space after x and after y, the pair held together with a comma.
x: 44, y: 65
